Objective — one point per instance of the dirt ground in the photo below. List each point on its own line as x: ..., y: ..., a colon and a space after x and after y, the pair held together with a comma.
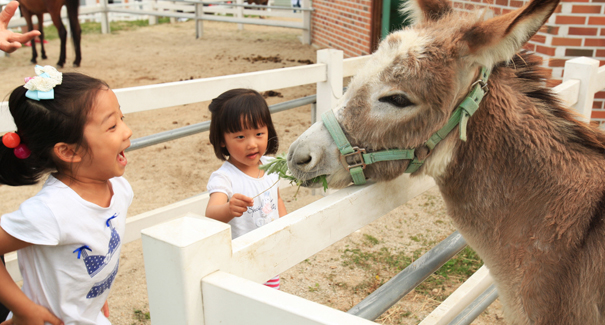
x: 169, y: 172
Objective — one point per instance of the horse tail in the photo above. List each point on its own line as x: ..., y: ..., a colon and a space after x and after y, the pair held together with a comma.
x: 73, y: 6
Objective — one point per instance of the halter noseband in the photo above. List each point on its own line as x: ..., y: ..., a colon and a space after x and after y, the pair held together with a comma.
x: 361, y: 157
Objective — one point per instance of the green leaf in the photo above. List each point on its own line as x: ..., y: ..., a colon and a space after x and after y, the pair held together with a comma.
x: 279, y: 166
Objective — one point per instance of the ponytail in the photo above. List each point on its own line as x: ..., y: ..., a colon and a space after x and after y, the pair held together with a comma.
x: 42, y: 124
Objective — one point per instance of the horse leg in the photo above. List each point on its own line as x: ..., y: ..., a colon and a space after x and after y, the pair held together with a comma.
x: 74, y: 24
x: 30, y: 26
x: 41, y: 29
x: 56, y: 17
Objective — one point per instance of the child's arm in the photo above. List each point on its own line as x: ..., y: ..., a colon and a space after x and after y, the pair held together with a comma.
x: 24, y: 310
x: 222, y: 209
x: 281, y: 206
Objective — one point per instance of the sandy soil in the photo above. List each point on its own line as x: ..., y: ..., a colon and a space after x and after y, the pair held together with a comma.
x: 166, y: 173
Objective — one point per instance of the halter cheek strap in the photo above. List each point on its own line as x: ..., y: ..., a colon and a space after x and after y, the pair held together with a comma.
x: 355, y: 159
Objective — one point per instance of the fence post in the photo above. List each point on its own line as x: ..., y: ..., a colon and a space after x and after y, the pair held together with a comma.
x: 329, y: 91
x: 585, y: 70
x: 153, y: 19
x: 199, y: 23
x: 105, y: 28
x: 239, y: 13
x: 177, y: 255
x: 172, y: 19
x: 306, y: 36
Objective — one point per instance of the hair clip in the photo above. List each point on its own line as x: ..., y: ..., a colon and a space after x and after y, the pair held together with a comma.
x: 13, y: 141
x: 41, y: 86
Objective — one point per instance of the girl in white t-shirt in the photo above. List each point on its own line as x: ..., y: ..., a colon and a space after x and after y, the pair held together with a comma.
x: 241, y: 194
x: 68, y: 236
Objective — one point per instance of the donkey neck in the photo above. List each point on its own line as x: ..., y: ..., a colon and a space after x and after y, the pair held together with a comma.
x: 524, y: 174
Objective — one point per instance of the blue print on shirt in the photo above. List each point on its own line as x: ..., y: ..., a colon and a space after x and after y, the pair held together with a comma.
x: 100, y: 287
x: 95, y: 263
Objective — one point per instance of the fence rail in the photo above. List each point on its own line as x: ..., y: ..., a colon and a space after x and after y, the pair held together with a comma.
x: 200, y: 250
x: 200, y: 11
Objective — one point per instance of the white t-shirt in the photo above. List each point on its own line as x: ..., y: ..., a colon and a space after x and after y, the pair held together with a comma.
x: 230, y: 180
x: 76, y: 251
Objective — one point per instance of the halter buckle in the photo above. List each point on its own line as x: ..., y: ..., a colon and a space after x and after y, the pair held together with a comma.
x: 483, y: 85
x: 357, y: 154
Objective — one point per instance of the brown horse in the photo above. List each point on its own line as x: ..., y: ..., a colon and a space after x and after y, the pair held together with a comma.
x: 258, y: 2
x: 53, y: 7
x: 523, y: 180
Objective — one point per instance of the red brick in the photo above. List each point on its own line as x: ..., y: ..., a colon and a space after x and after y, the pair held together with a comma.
x: 545, y: 50
x: 597, y: 104
x: 598, y: 114
x: 575, y: 0
x: 583, y: 31
x: 602, y: 31
x: 579, y: 52
x: 570, y: 20
x: 553, y: 82
x: 600, y: 95
x: 516, y: 3
x: 553, y: 30
x: 502, y: 3
x: 600, y: 54
x: 596, y: 20
x: 541, y: 39
x: 566, y: 41
x: 556, y: 62
x: 600, y: 42
x: 530, y: 47
x: 586, y: 9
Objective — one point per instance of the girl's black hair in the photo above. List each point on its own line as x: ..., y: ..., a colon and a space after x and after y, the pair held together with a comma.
x: 236, y: 110
x: 42, y: 124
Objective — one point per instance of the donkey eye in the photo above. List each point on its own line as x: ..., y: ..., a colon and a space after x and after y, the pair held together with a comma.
x: 398, y: 100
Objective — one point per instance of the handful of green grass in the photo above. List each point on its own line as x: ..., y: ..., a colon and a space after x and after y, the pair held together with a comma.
x: 280, y: 166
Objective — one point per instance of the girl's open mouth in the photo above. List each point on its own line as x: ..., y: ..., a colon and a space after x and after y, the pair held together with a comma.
x: 122, y: 159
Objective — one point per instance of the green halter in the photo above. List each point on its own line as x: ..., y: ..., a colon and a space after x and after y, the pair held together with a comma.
x: 361, y: 158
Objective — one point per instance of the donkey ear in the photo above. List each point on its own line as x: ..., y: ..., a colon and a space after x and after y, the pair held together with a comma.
x: 421, y: 11
x: 499, y: 38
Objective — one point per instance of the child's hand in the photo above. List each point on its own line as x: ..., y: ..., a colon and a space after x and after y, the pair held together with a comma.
x: 105, y: 309
x: 239, y: 203
x: 38, y: 315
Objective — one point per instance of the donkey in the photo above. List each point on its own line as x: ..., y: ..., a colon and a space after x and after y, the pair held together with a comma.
x: 523, y: 180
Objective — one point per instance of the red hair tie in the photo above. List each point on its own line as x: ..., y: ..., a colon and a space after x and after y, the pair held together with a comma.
x: 13, y: 141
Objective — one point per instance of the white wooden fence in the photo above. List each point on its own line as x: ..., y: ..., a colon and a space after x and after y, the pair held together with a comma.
x: 197, y: 275
x: 219, y: 10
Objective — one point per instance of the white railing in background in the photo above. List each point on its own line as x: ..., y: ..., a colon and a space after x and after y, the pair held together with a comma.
x: 235, y: 12
x: 197, y: 275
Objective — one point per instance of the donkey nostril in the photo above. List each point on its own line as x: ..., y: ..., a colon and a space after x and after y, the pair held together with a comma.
x: 304, y: 161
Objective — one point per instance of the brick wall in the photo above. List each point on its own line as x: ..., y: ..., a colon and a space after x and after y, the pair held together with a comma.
x: 577, y: 28
x: 343, y: 24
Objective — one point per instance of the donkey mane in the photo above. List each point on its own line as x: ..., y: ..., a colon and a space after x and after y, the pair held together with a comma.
x: 531, y: 77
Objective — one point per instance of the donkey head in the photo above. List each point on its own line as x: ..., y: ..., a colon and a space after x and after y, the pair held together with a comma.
x: 410, y: 86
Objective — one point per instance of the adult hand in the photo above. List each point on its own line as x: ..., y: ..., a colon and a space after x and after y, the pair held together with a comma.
x: 9, y: 41
x: 38, y: 315
x: 239, y: 203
